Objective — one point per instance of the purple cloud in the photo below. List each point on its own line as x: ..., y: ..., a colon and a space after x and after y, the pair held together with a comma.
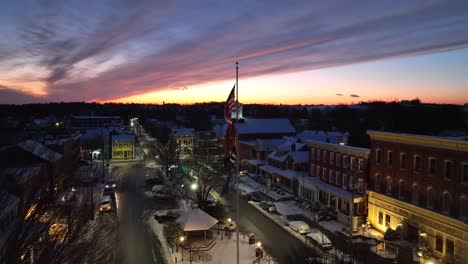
x: 131, y: 47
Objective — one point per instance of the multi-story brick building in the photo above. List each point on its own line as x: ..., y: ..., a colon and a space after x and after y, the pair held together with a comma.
x: 339, y: 179
x: 420, y: 184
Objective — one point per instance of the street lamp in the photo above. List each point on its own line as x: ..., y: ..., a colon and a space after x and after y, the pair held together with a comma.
x: 181, y: 240
x: 194, y: 186
x: 229, y: 220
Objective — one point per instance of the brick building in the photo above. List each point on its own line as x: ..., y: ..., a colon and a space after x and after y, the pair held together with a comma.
x: 420, y: 184
x: 334, y: 168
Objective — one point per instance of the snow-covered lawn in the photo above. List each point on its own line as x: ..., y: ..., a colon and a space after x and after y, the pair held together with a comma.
x: 223, y: 251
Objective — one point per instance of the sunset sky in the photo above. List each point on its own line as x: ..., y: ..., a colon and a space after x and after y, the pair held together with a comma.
x: 289, y: 52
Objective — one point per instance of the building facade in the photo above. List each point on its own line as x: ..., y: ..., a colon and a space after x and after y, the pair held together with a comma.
x: 123, y: 147
x: 420, y: 185
x: 339, y: 180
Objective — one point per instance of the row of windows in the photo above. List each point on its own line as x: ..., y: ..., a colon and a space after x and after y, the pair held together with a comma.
x: 429, y: 203
x: 335, y: 158
x: 449, y: 245
x: 122, y: 145
x: 417, y: 164
x: 338, y: 178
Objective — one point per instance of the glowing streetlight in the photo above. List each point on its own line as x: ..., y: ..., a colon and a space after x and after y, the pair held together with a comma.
x: 194, y: 186
x: 229, y: 220
x: 182, y: 238
x: 259, y: 244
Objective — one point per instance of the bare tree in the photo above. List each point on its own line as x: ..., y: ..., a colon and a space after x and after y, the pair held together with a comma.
x: 54, y: 232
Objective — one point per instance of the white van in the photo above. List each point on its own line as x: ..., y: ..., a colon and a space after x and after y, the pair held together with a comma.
x: 299, y: 226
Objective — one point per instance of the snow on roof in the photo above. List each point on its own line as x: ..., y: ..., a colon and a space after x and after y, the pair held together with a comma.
x: 268, y: 144
x: 286, y: 146
x: 123, y: 138
x: 299, y: 156
x: 39, y: 150
x: 322, y: 136
x: 195, y: 220
x: 265, y: 126
x: 7, y: 202
x: 251, y: 143
x: 220, y: 131
x: 291, y: 174
x: 255, y: 162
x: 20, y: 175
x: 278, y: 156
x: 182, y: 132
x: 270, y: 169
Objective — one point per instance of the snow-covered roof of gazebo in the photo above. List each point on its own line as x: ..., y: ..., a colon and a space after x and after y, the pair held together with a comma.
x: 196, y: 220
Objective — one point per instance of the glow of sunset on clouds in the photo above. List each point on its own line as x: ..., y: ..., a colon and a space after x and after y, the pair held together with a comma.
x: 185, y: 52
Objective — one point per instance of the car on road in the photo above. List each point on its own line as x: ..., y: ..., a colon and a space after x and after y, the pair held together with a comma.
x: 106, y: 204
x: 320, y: 239
x: 254, y: 197
x: 300, y: 227
x: 109, y: 192
x: 110, y: 183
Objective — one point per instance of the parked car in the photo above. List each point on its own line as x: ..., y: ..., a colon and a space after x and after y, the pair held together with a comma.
x: 106, y: 204
x: 300, y: 227
x: 320, y: 239
x: 268, y: 206
x: 154, y: 181
x: 169, y: 216
x: 254, y: 197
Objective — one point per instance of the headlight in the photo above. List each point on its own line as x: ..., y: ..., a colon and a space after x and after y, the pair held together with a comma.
x: 113, y: 185
x: 107, y: 185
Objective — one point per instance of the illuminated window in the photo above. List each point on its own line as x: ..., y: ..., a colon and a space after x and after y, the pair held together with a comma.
x: 387, y: 220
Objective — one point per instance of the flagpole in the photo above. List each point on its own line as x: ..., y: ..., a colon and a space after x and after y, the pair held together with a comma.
x: 237, y: 159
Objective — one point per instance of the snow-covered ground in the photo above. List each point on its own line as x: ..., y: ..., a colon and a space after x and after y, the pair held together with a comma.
x: 223, y: 251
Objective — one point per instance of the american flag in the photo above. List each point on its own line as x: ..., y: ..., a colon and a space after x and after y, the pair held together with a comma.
x: 230, y: 106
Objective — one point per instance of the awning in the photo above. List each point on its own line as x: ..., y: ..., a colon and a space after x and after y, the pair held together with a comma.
x: 290, y: 174
x: 331, y: 189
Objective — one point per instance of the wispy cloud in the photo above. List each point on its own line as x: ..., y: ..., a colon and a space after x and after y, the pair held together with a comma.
x: 339, y: 94
x: 354, y: 95
x: 131, y: 47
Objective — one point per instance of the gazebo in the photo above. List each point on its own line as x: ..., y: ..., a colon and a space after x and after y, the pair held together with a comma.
x: 196, y: 220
